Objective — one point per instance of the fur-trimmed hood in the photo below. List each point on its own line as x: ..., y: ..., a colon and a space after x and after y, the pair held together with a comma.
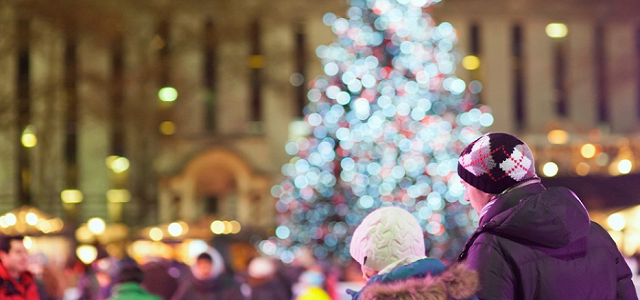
x: 455, y: 282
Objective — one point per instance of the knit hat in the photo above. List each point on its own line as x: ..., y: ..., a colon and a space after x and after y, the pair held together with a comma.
x: 386, y: 238
x: 495, y: 162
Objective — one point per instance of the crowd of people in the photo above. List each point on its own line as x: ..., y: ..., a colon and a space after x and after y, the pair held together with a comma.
x: 532, y: 242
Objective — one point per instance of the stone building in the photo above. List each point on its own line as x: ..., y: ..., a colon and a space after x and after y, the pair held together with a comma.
x: 159, y: 111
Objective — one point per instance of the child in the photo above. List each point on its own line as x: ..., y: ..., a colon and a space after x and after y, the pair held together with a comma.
x: 389, y: 245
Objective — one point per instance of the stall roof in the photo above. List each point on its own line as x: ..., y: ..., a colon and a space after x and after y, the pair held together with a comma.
x: 602, y: 193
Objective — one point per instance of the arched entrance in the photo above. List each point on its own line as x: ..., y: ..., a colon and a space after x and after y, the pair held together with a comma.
x: 217, y: 183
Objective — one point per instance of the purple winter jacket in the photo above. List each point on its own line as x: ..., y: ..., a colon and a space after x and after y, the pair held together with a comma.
x: 538, y: 243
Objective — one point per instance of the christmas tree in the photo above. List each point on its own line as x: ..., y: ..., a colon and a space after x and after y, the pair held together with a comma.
x: 389, y: 119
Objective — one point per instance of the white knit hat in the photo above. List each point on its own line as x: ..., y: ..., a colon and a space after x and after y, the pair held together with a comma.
x: 386, y: 238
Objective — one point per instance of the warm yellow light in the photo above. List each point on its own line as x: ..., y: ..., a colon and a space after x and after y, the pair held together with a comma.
x: 31, y: 218
x: 556, y: 30
x: 3, y: 222
x: 44, y: 226
x: 11, y: 219
x: 256, y: 62
x: 227, y: 227
x: 167, y: 128
x: 96, y: 225
x: 56, y: 224
x: 29, y: 139
x: 156, y: 234
x: 118, y: 196
x: 235, y: 227
x: 550, y: 169
x: 625, y: 166
x: 84, y: 235
x: 185, y: 227
x: 168, y: 94
x: 558, y: 136
x: 175, y: 229
x: 120, y: 165
x: 27, y: 242
x: 87, y: 253
x: 583, y: 169
x: 616, y: 221
x: 471, y: 62
x: 217, y: 227
x: 71, y: 196
x: 588, y: 150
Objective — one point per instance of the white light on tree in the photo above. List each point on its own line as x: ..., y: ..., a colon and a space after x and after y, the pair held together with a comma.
x: 168, y: 94
x: 96, y: 225
x: 550, y: 169
x: 616, y: 221
x: 556, y: 30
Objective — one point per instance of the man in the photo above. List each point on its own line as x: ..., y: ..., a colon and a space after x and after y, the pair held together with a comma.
x: 209, y: 281
x: 128, y: 288
x: 533, y: 242
x: 15, y: 281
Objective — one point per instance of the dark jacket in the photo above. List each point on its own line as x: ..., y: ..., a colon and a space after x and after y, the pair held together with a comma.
x: 538, y: 243
x: 424, y: 279
x: 11, y: 289
x: 222, y: 287
x: 131, y: 291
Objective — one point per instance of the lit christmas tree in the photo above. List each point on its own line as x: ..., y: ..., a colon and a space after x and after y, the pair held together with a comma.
x: 389, y: 119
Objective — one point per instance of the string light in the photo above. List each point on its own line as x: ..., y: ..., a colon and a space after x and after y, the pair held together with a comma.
x: 386, y: 124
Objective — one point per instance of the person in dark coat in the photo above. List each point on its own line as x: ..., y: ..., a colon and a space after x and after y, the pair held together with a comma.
x: 128, y: 287
x: 389, y: 246
x: 533, y: 242
x: 209, y: 281
x: 263, y: 282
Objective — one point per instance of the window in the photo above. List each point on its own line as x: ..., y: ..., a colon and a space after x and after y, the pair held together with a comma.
x: 518, y: 75
x: 256, y: 63
x: 298, y: 79
x: 209, y: 76
x: 601, y: 75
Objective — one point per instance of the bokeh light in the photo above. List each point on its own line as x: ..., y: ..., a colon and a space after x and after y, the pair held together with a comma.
x: 386, y: 123
x: 471, y: 62
x: 588, y: 150
x: 550, y: 169
x: 168, y: 94
x: 556, y: 30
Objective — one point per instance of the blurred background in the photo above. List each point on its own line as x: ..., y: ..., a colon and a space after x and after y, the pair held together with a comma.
x: 158, y: 128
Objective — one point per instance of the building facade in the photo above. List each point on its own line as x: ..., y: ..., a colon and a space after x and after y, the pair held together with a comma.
x: 158, y: 112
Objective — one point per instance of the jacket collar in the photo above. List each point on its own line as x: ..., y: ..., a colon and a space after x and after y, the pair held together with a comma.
x: 26, y: 279
x: 510, y: 198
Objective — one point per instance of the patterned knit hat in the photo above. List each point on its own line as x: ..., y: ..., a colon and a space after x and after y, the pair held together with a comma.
x: 495, y: 162
x: 386, y: 238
